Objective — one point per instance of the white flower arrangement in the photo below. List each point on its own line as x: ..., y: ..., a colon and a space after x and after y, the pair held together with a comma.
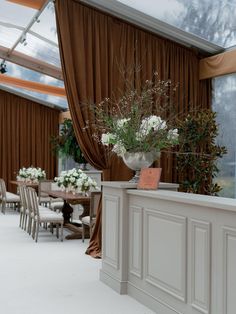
x: 132, y: 122
x: 75, y: 181
x: 152, y: 134
x: 31, y: 174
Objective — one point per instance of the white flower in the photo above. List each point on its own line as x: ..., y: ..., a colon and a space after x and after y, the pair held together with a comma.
x: 151, y: 123
x: 173, y: 134
x: 119, y: 149
x: 31, y: 174
x: 121, y: 123
x: 108, y: 138
x: 75, y: 180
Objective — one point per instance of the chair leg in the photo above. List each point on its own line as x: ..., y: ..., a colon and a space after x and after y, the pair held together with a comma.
x: 23, y: 221
x: 26, y: 218
x: 21, y: 217
x: 37, y: 231
x: 33, y: 229
x: 61, y: 232
x: 83, y: 232
x: 57, y: 231
x: 29, y: 225
x: 3, y: 207
x: 50, y: 227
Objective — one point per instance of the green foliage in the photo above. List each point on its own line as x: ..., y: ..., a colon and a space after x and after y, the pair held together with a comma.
x: 198, y: 153
x: 66, y: 145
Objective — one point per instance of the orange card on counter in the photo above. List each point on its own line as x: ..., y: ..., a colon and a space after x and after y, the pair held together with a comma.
x: 149, y: 178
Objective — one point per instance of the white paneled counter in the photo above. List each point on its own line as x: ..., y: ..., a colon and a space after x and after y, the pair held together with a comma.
x: 174, y: 252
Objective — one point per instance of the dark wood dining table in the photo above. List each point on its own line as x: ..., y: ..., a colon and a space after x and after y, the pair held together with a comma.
x: 67, y: 210
x: 28, y: 184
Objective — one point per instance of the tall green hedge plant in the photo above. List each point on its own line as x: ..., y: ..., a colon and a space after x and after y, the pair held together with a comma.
x: 198, y: 153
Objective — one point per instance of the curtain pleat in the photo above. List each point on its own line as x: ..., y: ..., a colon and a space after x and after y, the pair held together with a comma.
x: 25, y: 131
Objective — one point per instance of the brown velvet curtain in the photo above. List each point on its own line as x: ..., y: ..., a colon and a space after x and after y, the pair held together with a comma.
x: 94, y: 48
x: 25, y: 130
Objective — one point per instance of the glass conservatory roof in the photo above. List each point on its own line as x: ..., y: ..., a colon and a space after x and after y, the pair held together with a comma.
x: 29, y: 44
x: 28, y: 37
x: 212, y: 20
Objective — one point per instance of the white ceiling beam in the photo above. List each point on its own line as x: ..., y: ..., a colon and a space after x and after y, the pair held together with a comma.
x: 31, y: 63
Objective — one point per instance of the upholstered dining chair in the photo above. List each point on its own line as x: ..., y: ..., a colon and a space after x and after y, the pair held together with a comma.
x: 43, y: 216
x: 44, y: 198
x: 7, y: 197
x: 90, y: 220
x: 23, y: 207
x: 56, y: 204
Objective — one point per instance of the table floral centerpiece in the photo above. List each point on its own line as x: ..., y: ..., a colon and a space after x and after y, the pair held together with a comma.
x: 132, y: 126
x: 31, y: 174
x: 75, y: 181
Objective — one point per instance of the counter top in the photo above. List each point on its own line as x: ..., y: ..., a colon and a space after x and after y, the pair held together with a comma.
x: 189, y: 198
x: 128, y: 185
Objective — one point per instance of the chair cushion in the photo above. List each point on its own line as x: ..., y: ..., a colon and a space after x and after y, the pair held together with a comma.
x: 56, y: 205
x: 12, y: 198
x: 86, y: 220
x: 51, y: 218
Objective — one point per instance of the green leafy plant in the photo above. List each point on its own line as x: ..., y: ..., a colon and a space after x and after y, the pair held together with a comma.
x: 66, y: 145
x: 198, y: 153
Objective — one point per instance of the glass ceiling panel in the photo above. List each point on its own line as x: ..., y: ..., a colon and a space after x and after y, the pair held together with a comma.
x: 40, y: 49
x: 8, y: 36
x: 15, y: 14
x: 47, y: 24
x: 208, y: 19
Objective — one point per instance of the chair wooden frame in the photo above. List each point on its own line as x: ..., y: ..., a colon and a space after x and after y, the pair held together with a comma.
x: 90, y: 220
x: 7, y: 197
x: 44, y: 217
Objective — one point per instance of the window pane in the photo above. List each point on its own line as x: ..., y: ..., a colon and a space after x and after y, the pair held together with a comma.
x: 224, y: 105
x: 8, y: 36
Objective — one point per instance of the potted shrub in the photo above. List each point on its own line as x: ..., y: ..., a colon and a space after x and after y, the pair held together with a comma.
x: 65, y: 144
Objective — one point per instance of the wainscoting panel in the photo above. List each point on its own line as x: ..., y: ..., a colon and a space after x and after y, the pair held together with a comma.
x: 165, y: 252
x: 200, y: 265
x: 229, y: 272
x: 136, y: 237
x: 111, y: 230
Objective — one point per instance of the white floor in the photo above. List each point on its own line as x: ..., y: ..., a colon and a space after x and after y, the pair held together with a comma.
x: 53, y: 277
